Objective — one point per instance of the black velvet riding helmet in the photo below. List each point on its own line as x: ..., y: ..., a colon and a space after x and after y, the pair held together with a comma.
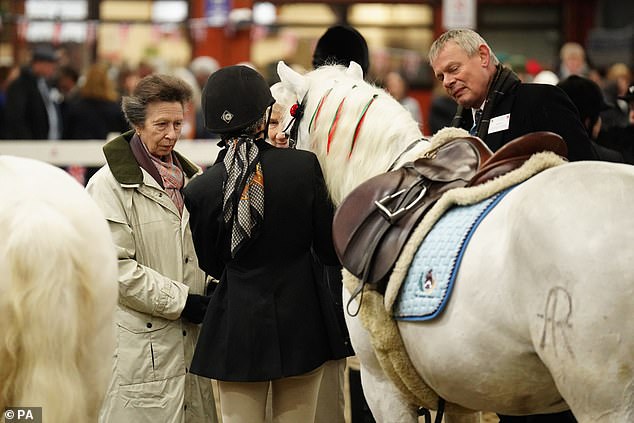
x: 340, y: 44
x: 234, y: 98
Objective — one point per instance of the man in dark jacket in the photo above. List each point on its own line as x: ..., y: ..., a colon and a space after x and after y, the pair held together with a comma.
x: 494, y: 104
x: 30, y: 112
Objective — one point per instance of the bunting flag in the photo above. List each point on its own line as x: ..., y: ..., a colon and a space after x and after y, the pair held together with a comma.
x: 57, y: 32
x: 198, y: 29
x: 56, y: 38
x: 124, y: 32
x: 91, y: 32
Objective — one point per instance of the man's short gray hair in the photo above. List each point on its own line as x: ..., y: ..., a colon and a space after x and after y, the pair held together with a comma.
x: 466, y: 39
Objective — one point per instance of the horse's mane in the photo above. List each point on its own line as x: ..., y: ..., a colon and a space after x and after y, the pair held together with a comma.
x: 383, y: 131
x: 58, y: 291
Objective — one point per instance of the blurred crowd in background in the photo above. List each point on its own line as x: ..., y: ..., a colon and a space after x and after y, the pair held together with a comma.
x: 86, y: 101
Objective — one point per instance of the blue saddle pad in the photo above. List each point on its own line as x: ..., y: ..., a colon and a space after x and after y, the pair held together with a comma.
x: 430, y: 278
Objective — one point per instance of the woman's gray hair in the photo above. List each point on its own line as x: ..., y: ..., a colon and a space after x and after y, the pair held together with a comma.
x: 467, y: 39
x: 152, y: 89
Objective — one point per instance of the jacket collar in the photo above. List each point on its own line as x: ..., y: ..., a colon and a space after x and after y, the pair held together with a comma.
x: 124, y: 166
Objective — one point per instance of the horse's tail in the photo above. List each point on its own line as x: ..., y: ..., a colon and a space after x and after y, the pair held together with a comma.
x: 47, y: 314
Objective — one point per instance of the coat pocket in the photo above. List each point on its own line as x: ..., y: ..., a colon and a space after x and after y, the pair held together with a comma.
x: 149, y: 348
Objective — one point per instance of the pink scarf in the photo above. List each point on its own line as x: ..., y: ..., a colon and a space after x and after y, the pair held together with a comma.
x: 173, y: 179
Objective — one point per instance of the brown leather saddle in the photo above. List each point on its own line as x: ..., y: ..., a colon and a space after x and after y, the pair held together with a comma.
x: 375, y: 220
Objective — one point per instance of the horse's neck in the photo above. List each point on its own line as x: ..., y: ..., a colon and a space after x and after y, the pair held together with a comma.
x: 356, y: 130
x: 344, y: 175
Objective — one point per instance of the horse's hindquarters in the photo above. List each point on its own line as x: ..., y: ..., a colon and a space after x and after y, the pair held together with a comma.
x: 541, y: 295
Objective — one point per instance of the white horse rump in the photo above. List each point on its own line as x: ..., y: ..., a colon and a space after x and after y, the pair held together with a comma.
x: 58, y: 291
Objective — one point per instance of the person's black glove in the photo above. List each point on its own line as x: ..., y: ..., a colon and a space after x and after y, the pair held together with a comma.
x: 211, y: 287
x: 195, y: 308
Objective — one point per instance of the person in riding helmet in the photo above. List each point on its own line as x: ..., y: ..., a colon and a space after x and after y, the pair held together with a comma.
x: 256, y: 215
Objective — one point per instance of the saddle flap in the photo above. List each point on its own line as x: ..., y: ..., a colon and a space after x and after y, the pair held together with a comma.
x: 375, y: 220
x: 357, y: 220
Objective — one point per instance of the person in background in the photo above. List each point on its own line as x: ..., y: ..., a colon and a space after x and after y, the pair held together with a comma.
x: 191, y: 114
x: 622, y: 138
x: 257, y: 216
x: 96, y: 112
x: 617, y: 81
x: 127, y: 78
x: 64, y: 93
x: 588, y: 98
x: 7, y: 74
x: 93, y: 115
x: 494, y: 104
x: 202, y: 67
x: 67, y: 85
x: 397, y: 86
x: 441, y: 110
x: 572, y: 58
x: 341, y: 44
x: 30, y: 111
x: 149, y: 65
x: 161, y: 288
x: 498, y: 108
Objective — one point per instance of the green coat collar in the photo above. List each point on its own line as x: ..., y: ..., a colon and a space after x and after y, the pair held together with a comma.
x: 124, y: 166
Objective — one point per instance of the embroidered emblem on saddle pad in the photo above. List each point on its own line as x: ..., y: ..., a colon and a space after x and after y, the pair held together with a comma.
x: 429, y: 281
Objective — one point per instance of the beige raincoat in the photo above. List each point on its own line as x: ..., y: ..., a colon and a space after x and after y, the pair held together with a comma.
x: 157, y: 269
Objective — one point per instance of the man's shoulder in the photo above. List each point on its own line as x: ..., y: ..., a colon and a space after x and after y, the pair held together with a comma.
x: 537, y: 90
x: 531, y: 95
x: 23, y: 81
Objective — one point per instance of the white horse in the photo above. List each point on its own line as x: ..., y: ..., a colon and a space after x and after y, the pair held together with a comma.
x: 58, y: 291
x: 540, y: 318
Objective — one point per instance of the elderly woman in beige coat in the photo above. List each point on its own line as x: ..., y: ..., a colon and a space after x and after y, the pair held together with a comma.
x: 161, y: 288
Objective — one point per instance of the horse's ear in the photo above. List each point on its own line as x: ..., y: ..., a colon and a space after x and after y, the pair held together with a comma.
x: 295, y: 81
x: 354, y: 70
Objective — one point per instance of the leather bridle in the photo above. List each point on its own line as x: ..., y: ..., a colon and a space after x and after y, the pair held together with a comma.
x: 297, y: 112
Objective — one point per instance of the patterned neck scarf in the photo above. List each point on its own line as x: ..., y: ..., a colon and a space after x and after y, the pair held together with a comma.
x: 173, y: 179
x: 243, y: 202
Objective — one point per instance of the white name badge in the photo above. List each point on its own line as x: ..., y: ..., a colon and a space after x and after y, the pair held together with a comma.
x: 499, y: 123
